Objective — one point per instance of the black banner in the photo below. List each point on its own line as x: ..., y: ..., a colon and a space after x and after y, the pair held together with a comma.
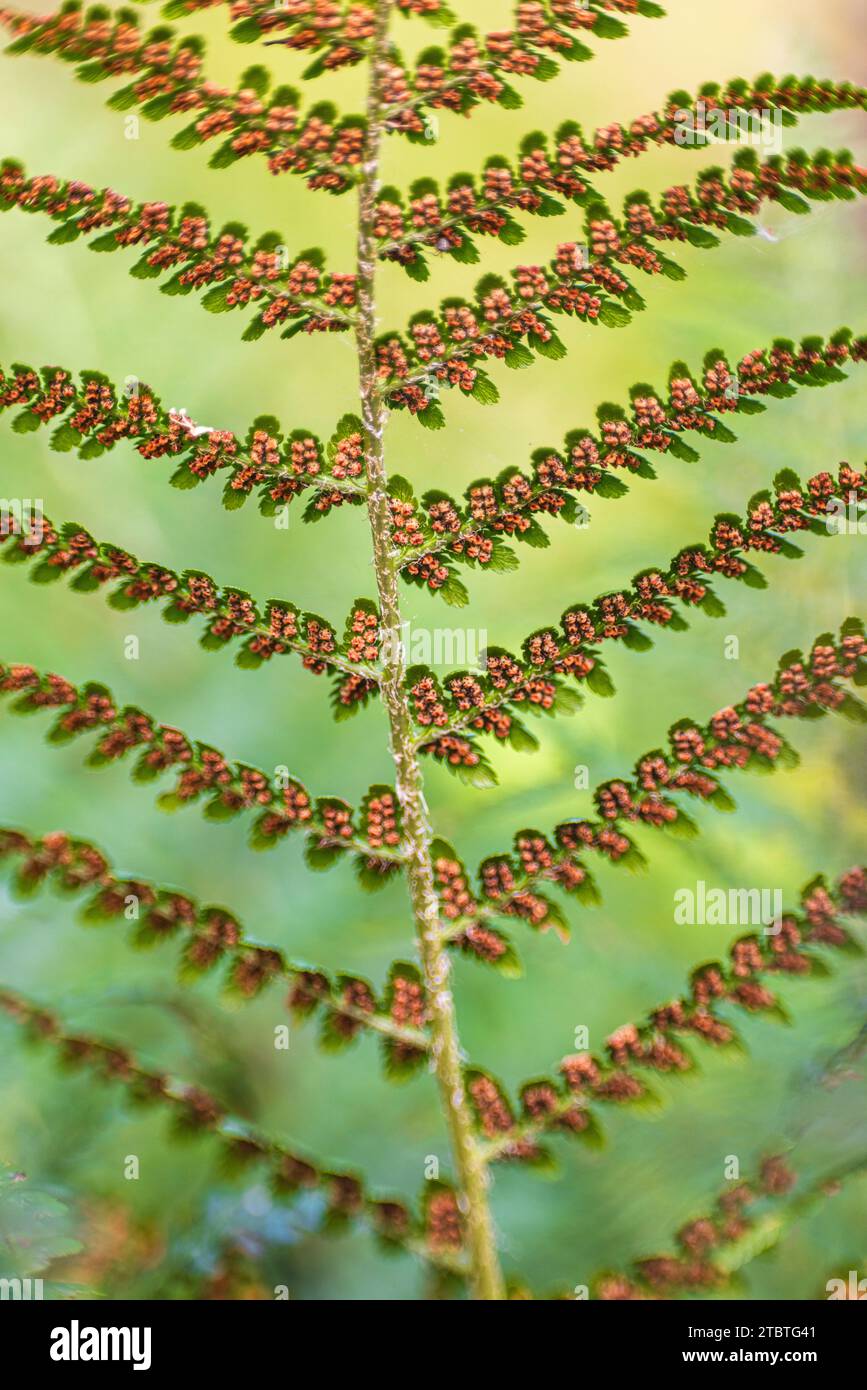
x: 152, y: 1339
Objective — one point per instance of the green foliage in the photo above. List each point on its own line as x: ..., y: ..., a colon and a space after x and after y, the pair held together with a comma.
x: 35, y: 1229
x: 465, y: 344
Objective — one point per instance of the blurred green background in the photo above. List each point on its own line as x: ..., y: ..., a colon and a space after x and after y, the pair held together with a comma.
x: 66, y: 305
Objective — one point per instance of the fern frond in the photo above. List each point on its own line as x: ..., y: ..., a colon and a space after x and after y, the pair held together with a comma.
x: 194, y: 1111
x: 231, y: 613
x: 257, y: 118
x: 345, y: 1005
x: 157, y: 72
x: 95, y: 414
x: 436, y: 532
x: 439, y: 350
x: 476, y: 69
x: 748, y: 1218
x: 512, y: 323
x: 660, y: 1042
x: 510, y: 888
x: 296, y: 293
x: 473, y: 68
x: 371, y: 834
x: 322, y: 146
x: 740, y: 737
x: 430, y: 218
x: 490, y: 702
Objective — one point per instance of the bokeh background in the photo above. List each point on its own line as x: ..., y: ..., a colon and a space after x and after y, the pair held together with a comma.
x: 161, y: 1236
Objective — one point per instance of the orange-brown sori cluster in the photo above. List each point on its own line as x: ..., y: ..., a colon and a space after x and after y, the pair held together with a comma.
x: 407, y: 1007
x: 653, y: 599
x: 495, y: 1118
x: 442, y: 1220
x: 195, y: 1110
x: 231, y: 614
x: 351, y: 691
x: 452, y: 750
x: 428, y: 571
x: 357, y: 1003
x: 381, y: 819
x: 507, y: 885
x: 460, y: 910
x: 455, y: 894
x: 362, y: 635
x: 588, y: 462
x: 693, y: 1267
x: 405, y: 530
x: 181, y: 244
x: 280, y: 802
x: 427, y: 703
x: 492, y: 1109
x: 535, y: 909
x: 211, y: 936
x: 660, y: 1043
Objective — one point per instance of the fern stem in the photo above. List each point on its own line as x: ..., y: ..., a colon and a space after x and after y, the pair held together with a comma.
x: 485, y: 1275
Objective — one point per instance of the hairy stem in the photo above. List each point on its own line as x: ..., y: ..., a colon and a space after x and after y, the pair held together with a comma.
x: 486, y: 1277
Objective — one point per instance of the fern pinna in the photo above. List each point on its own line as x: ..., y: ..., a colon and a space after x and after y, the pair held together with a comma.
x: 430, y: 541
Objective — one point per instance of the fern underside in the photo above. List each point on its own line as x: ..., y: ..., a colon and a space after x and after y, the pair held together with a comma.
x: 428, y: 542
